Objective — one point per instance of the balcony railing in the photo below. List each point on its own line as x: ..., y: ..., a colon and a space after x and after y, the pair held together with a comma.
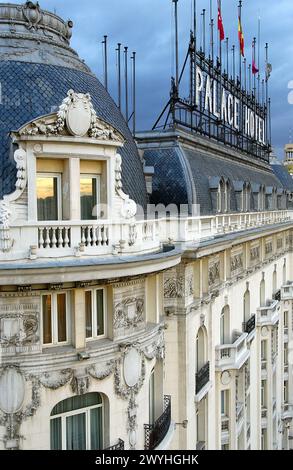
x: 232, y: 356
x: 277, y: 295
x: 250, y: 325
x: 268, y: 315
x: 287, y: 291
x: 118, y: 446
x: 287, y: 411
x: 155, y: 433
x: 69, y: 238
x: 202, y: 377
x: 225, y: 424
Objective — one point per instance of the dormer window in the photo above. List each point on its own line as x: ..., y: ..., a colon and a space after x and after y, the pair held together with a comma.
x: 49, y: 196
x: 89, y: 196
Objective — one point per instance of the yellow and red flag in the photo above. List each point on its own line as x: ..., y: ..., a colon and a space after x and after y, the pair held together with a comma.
x: 240, y: 36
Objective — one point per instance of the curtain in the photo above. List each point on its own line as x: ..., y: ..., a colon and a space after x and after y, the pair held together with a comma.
x: 61, y: 314
x: 100, y: 312
x: 76, y: 432
x: 96, y: 426
x: 77, y: 403
x: 56, y: 434
x: 47, y: 319
x: 88, y: 314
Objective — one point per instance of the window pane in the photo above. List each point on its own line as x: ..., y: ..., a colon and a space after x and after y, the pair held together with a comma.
x: 88, y: 198
x: 76, y: 403
x: 100, y: 312
x: 88, y: 315
x: 61, y: 314
x: 76, y: 432
x: 56, y: 434
x: 47, y: 188
x: 47, y: 319
x: 96, y: 424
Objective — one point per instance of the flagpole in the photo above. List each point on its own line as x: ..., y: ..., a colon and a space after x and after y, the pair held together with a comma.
x: 194, y: 25
x: 253, y: 71
x: 220, y: 41
x: 227, y: 51
x: 240, y: 52
x: 245, y: 81
x: 249, y: 78
x: 267, y: 92
x: 258, y: 59
x: 212, y: 31
x: 176, y: 43
x: 233, y: 59
x: 204, y: 31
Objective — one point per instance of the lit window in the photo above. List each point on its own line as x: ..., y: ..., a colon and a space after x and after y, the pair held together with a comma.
x: 55, y: 321
x: 89, y: 197
x: 77, y: 423
x: 95, y: 313
x: 49, y: 197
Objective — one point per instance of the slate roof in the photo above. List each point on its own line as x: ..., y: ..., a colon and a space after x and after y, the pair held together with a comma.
x: 30, y: 90
x: 282, y: 174
x: 185, y: 175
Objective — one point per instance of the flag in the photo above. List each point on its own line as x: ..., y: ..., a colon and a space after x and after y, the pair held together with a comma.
x: 240, y: 36
x: 255, y: 70
x: 269, y: 70
x: 220, y: 23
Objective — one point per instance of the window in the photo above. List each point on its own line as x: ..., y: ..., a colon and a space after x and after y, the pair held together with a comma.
x: 263, y: 394
x: 246, y: 306
x: 49, y: 197
x: 77, y: 423
x: 264, y: 350
x: 95, y: 313
x: 225, y: 326
x: 225, y: 403
x: 264, y: 439
x: 286, y: 355
x: 89, y: 196
x: 200, y: 350
x: 286, y: 389
x: 54, y: 315
x: 275, y: 281
x: 286, y: 321
x: 262, y: 293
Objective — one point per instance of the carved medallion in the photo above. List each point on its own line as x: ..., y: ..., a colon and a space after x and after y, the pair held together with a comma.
x: 132, y: 367
x: 78, y: 118
x: 12, y: 390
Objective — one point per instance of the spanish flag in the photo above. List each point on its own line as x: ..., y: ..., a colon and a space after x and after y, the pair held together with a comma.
x: 240, y: 36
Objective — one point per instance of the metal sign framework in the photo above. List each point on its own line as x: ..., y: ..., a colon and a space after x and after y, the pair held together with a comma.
x: 185, y: 113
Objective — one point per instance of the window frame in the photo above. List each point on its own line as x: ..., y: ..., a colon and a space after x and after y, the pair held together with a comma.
x: 87, y: 412
x: 55, y: 319
x: 94, y: 310
x: 59, y: 193
x: 98, y: 192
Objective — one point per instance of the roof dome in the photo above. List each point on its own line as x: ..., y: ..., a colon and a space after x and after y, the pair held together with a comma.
x: 37, y: 68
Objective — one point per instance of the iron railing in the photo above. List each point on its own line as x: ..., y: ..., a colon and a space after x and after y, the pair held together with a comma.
x: 277, y: 295
x: 118, y: 446
x: 250, y: 325
x: 202, y: 377
x: 155, y: 433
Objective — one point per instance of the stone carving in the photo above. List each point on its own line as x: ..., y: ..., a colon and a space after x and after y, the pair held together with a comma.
x: 19, y: 325
x: 157, y: 348
x: 237, y: 262
x: 6, y: 242
x: 12, y: 421
x: 174, y: 288
x: 279, y: 243
x: 21, y: 176
x: 77, y: 116
x: 32, y: 14
x: 129, y: 393
x: 189, y: 291
x: 214, y: 273
x: 129, y: 207
x: 129, y: 313
x: 96, y: 372
x: 55, y: 380
x: 80, y: 385
x: 132, y: 234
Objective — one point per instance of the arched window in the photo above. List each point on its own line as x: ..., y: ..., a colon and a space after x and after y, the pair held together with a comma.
x: 246, y: 197
x: 227, y: 196
x: 246, y: 306
x: 225, y: 336
x: 262, y: 293
x: 221, y: 196
x: 201, y: 353
x: 78, y: 423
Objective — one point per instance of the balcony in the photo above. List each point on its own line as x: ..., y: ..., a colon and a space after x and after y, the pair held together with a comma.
x: 232, y: 356
x: 287, y: 291
x: 268, y: 315
x: 118, y: 446
x: 202, y: 378
x: 33, y: 240
x: 155, y: 433
x: 287, y: 411
x: 249, y: 326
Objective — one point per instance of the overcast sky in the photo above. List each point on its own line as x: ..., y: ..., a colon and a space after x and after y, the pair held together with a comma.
x: 146, y: 27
